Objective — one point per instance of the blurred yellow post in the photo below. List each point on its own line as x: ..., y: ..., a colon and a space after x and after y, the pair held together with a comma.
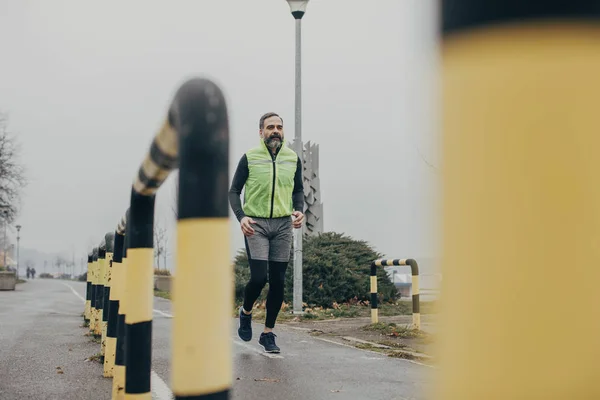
x: 521, y: 225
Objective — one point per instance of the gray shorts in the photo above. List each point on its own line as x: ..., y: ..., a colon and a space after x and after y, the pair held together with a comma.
x: 272, y: 239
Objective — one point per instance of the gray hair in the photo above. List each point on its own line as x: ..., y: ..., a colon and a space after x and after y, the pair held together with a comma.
x: 261, y: 123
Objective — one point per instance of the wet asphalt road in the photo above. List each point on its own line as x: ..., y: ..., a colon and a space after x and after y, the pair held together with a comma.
x: 40, y: 330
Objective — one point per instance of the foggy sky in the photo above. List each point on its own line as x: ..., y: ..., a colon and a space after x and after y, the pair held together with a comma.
x: 87, y: 84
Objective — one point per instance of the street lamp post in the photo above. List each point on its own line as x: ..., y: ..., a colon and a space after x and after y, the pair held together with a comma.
x: 4, y: 246
x: 18, y: 238
x: 298, y: 8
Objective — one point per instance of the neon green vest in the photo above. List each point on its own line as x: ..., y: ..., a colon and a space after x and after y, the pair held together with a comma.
x: 268, y: 190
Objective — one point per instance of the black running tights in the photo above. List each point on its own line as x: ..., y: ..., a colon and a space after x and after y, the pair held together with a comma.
x: 258, y: 280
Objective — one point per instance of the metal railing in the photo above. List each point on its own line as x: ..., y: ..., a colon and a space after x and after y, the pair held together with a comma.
x: 195, y: 138
x: 414, y: 268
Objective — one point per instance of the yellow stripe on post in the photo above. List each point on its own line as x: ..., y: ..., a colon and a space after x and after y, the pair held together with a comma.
x: 374, y: 315
x: 415, y: 284
x: 522, y: 207
x: 118, y: 388
x: 138, y: 396
x: 202, y: 357
x: 140, y: 276
x: 416, y: 318
x: 373, y: 279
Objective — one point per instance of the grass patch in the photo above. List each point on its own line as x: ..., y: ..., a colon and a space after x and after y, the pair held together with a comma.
x: 391, y: 329
x: 390, y: 310
x: 370, y: 347
x: 338, y: 311
x: 401, y: 354
x: 392, y: 344
x: 394, y: 350
x: 163, y: 294
x: 21, y: 280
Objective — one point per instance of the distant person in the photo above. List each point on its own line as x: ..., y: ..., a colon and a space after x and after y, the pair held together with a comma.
x: 28, y: 272
x: 32, y: 273
x: 271, y: 176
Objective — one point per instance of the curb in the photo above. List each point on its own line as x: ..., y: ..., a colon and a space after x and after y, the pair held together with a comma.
x: 414, y: 354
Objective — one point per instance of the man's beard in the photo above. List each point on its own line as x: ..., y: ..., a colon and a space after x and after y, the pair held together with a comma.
x: 273, y: 142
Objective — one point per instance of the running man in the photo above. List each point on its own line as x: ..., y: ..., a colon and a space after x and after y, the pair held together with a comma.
x: 271, y: 176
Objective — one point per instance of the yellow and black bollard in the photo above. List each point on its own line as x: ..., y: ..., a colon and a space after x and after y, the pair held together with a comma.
x: 414, y: 272
x: 113, y: 306
x: 374, y: 299
x: 201, y: 365
x: 100, y: 292
x: 109, y: 344
x: 159, y: 161
x: 118, y: 392
x: 94, y: 270
x: 88, y: 291
x: 521, y: 90
x: 139, y: 297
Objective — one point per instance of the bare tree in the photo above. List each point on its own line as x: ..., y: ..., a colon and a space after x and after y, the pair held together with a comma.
x: 59, y: 262
x: 160, y: 241
x: 12, y: 172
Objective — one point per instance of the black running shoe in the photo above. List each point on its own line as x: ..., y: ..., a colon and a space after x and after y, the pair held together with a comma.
x: 245, y: 327
x: 267, y: 341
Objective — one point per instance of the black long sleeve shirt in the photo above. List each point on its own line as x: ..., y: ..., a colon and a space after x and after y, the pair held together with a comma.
x: 239, y: 180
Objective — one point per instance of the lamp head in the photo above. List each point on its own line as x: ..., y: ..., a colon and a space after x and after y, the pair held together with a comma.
x: 298, y: 7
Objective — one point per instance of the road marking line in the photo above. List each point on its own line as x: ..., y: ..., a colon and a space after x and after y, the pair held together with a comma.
x: 74, y: 291
x: 247, y: 346
x: 262, y: 353
x: 339, y: 344
x: 164, y: 314
x: 160, y: 390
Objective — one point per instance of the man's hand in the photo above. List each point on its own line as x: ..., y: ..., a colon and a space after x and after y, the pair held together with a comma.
x: 246, y: 226
x: 297, y: 222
